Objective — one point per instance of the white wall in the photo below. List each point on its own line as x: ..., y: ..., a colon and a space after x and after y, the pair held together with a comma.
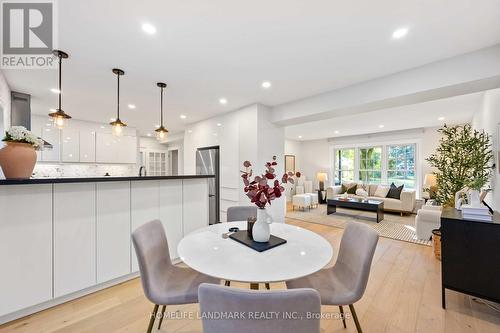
x: 488, y: 119
x: 316, y: 157
x: 244, y: 134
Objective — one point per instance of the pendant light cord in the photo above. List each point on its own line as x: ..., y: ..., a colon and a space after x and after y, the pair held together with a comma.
x: 161, y: 107
x: 60, y: 80
x: 118, y: 98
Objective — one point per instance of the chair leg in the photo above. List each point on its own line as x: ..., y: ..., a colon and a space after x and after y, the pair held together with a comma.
x: 162, y: 314
x: 342, y: 313
x: 355, y: 317
x: 227, y: 283
x: 268, y: 287
x: 153, y: 317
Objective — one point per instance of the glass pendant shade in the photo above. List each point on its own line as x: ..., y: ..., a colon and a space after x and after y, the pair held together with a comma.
x: 161, y: 132
x: 59, y: 117
x: 117, y: 124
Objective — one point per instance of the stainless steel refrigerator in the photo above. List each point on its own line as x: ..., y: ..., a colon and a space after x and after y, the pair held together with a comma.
x: 207, y: 163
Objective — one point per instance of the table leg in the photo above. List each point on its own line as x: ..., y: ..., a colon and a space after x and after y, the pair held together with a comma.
x: 254, y: 286
x: 380, y: 214
x: 330, y: 209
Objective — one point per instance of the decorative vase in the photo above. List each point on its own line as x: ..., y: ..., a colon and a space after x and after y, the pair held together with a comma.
x: 261, y: 231
x: 17, y: 160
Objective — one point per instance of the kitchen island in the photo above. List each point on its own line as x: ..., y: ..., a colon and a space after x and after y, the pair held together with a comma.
x: 62, y: 238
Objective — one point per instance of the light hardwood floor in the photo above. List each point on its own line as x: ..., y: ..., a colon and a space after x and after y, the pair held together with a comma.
x: 403, y: 295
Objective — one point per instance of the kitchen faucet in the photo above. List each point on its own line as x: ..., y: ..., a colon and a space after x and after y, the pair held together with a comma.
x: 140, y: 170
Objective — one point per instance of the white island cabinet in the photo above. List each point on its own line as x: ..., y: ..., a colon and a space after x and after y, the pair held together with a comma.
x: 74, y: 237
x: 25, y: 246
x: 63, y: 238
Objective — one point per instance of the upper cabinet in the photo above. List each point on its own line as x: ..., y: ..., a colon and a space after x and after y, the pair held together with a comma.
x: 70, y: 151
x: 112, y: 149
x: 87, y: 146
x: 52, y: 136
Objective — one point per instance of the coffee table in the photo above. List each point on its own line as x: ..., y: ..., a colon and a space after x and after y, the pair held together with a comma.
x: 354, y: 203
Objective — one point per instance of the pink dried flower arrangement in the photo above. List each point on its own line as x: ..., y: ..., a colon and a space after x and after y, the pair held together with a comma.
x: 258, y: 190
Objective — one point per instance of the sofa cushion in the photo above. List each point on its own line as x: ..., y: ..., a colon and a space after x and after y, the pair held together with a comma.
x: 352, y: 189
x: 395, y: 191
x: 371, y: 188
x: 381, y: 191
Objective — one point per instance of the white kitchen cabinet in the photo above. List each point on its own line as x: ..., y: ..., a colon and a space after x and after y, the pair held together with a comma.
x: 171, y: 213
x: 53, y: 136
x: 87, y: 146
x: 74, y: 237
x: 195, y: 207
x: 145, y: 206
x: 113, y: 230
x: 25, y: 246
x: 70, y: 148
x: 115, y: 149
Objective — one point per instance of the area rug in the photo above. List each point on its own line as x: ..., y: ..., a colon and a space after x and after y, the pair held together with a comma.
x: 393, y: 226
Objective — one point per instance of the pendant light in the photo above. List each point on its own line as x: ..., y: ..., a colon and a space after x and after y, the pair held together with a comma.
x: 59, y: 116
x: 117, y: 123
x: 161, y: 132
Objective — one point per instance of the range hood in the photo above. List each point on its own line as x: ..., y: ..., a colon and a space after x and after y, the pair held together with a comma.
x: 20, y: 114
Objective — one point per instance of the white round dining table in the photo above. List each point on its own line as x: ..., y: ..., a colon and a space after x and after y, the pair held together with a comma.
x: 206, y: 251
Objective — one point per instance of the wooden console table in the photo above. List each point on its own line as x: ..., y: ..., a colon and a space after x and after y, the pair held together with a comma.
x: 470, y: 252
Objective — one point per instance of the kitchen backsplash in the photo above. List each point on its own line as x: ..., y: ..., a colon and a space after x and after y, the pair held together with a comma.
x: 43, y: 170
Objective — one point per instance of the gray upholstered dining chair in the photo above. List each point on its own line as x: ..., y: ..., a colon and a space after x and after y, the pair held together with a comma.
x: 241, y: 213
x: 290, y: 309
x: 163, y: 283
x: 345, y: 283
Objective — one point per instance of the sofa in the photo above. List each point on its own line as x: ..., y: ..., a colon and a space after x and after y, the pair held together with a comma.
x: 406, y: 203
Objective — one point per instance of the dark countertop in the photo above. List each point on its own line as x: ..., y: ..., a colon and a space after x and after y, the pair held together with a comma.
x: 456, y: 215
x: 94, y: 179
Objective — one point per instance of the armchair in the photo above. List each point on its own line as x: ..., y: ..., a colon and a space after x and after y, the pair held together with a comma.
x: 428, y: 218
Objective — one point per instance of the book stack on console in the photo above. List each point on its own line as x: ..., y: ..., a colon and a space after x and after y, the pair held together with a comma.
x: 481, y: 213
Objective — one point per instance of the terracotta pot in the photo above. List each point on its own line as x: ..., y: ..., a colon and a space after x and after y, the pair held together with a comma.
x: 17, y: 160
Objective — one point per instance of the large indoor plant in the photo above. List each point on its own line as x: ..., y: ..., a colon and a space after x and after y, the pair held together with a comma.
x: 18, y: 157
x: 464, y: 159
x: 261, y: 193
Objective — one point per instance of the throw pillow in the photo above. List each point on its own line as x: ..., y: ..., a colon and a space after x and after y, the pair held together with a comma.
x: 352, y: 189
x: 361, y: 192
x: 343, y: 189
x: 381, y: 191
x: 395, y: 191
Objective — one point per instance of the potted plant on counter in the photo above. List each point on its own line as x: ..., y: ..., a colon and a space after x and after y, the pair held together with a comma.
x: 261, y: 193
x: 18, y: 157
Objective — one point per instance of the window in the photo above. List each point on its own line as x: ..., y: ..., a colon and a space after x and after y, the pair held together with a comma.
x: 344, y: 170
x: 370, y: 165
x: 401, y: 165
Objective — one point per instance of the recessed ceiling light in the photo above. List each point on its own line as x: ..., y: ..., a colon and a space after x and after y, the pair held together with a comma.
x: 149, y: 134
x: 223, y: 101
x: 336, y: 132
x: 52, y: 110
x: 183, y: 116
x: 55, y: 90
x: 266, y: 84
x: 102, y: 126
x: 148, y: 28
x: 399, y: 33
x: 441, y: 118
x: 112, y: 119
x: 300, y: 136
x: 48, y: 124
x: 190, y: 131
x: 131, y: 106
x: 157, y: 126
x: 381, y: 126
x: 219, y: 124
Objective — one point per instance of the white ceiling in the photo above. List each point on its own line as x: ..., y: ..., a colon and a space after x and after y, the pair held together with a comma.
x: 453, y: 110
x: 205, y: 50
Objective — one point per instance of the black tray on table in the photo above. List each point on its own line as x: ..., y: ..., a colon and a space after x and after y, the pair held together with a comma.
x: 243, y: 238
